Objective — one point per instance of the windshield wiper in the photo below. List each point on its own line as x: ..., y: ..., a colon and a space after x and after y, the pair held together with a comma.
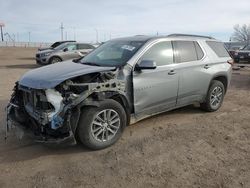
x: 90, y: 63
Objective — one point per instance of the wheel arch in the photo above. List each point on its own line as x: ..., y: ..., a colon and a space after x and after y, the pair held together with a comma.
x: 124, y: 102
x: 222, y: 78
x: 54, y: 57
x: 94, y: 98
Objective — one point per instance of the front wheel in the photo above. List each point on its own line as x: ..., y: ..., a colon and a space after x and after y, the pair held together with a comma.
x: 100, y: 127
x: 214, y: 97
x: 55, y: 60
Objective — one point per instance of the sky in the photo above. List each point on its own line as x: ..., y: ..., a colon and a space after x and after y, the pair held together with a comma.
x: 101, y: 20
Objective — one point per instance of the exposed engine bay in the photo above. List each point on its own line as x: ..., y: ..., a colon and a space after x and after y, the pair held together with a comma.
x: 52, y: 114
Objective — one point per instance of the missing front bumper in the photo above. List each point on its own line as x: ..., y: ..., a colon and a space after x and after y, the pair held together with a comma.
x: 41, y: 134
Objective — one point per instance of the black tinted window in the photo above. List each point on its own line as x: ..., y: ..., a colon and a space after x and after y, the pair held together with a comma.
x: 85, y: 46
x: 218, y: 48
x: 185, y: 51
x: 161, y: 53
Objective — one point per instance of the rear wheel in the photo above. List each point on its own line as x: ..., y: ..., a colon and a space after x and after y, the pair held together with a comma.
x: 214, y: 97
x: 100, y: 127
x: 55, y: 60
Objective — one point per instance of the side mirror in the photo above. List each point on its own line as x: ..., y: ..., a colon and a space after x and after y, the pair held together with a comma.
x: 146, y: 64
x: 65, y: 49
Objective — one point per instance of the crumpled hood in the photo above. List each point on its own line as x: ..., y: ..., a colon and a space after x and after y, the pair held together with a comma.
x: 51, y: 75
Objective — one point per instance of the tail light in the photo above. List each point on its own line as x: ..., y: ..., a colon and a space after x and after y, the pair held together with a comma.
x: 231, y: 62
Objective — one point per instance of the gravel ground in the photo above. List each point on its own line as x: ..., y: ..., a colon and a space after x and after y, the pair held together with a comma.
x: 182, y: 148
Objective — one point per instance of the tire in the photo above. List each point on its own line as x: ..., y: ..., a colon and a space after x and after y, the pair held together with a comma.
x: 93, y: 132
x: 215, y: 96
x: 55, y: 60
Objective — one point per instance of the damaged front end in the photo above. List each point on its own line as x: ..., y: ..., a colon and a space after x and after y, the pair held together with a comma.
x: 52, y: 114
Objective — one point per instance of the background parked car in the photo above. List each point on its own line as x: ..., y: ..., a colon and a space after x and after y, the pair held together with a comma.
x: 233, y: 49
x: 242, y: 54
x: 55, y: 44
x: 65, y: 51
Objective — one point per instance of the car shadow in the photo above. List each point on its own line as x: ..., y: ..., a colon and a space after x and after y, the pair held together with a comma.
x: 190, y: 109
x: 26, y: 149
x: 26, y: 58
x: 22, y: 66
x: 14, y: 149
x: 240, y: 81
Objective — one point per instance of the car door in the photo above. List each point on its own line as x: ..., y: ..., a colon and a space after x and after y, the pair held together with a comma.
x: 192, y: 67
x: 70, y: 52
x: 155, y: 90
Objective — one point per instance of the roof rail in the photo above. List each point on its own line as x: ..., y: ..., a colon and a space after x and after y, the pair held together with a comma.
x: 188, y: 35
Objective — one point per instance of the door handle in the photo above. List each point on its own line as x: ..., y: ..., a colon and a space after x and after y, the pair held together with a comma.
x: 206, y: 66
x: 171, y: 72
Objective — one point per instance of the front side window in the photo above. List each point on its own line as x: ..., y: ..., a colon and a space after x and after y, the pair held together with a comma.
x: 161, y: 53
x: 71, y: 47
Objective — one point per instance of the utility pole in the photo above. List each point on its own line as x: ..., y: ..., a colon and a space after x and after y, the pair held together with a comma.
x: 96, y: 35
x: 74, y: 33
x: 61, y: 31
x: 1, y: 27
x: 17, y: 37
x: 29, y: 39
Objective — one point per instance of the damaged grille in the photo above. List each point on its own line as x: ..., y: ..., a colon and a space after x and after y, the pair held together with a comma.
x: 36, y: 104
x: 37, y: 100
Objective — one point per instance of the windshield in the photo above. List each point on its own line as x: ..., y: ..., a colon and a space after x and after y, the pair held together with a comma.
x: 61, y: 46
x: 113, y: 53
x: 55, y: 44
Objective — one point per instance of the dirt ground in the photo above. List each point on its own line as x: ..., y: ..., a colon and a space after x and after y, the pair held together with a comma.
x: 182, y: 148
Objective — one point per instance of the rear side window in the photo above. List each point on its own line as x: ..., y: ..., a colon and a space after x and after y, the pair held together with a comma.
x: 85, y: 46
x: 218, y: 48
x: 187, y: 51
x: 161, y: 53
x: 199, y: 51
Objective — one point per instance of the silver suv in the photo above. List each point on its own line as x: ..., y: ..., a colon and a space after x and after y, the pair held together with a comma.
x: 119, y: 83
x: 65, y: 51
